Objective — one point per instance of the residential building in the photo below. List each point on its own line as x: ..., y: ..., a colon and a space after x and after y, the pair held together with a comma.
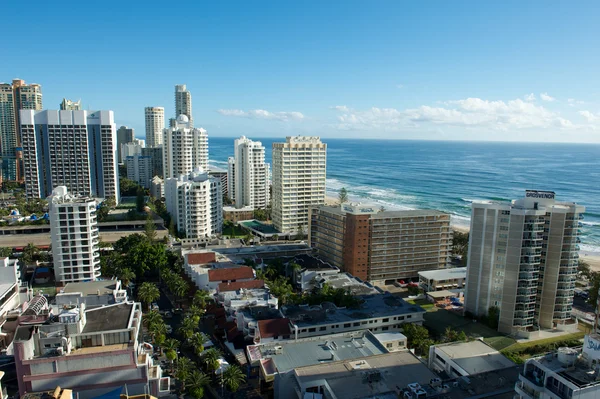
x: 233, y: 300
x: 92, y: 293
x: 312, y: 271
x: 380, y: 246
x: 566, y: 373
x: 235, y: 215
x: 69, y: 105
x: 393, y: 341
x: 157, y: 187
x: 248, y: 175
x: 299, y: 168
x: 74, y: 235
x: 124, y: 135
x: 91, y: 351
x: 210, y: 275
x: 129, y: 150
x: 155, y: 123
x: 463, y: 359
x: 377, y: 313
x: 523, y: 258
x: 56, y: 393
x: 443, y: 279
x: 183, y: 103
x: 139, y: 169
x: 222, y: 175
x: 157, y: 159
x: 184, y: 149
x: 195, y: 203
x: 13, y: 98
x: 76, y: 149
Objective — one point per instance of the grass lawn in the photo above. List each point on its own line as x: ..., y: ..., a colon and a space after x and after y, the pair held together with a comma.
x: 48, y: 289
x: 500, y: 342
x: 516, y: 347
x: 234, y: 231
x: 424, y: 303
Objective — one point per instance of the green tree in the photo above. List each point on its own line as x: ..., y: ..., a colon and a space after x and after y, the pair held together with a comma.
x: 30, y: 254
x: 152, y: 318
x: 140, y: 199
x: 196, y: 383
x: 127, y: 187
x: 140, y: 254
x: 183, y: 369
x: 493, y: 316
x: 201, y: 298
x: 584, y: 268
x: 150, y: 228
x: 188, y: 328
x: 460, y: 245
x: 301, y: 232
x: 197, y: 340
x: 126, y: 275
x: 595, y: 286
x: 148, y: 293
x: 210, y: 358
x: 195, y: 313
x: 417, y: 336
x: 343, y: 196
x: 170, y: 346
x: 5, y: 252
x: 233, y: 377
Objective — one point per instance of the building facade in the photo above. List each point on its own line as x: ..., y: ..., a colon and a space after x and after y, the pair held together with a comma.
x: 155, y: 123
x: 69, y: 105
x: 248, y: 175
x: 183, y: 103
x: 377, y: 246
x: 157, y: 159
x: 195, y: 203
x: 157, y: 187
x: 76, y: 149
x: 184, y: 149
x: 299, y: 169
x: 130, y: 150
x: 74, y: 235
x: 139, y: 169
x: 124, y: 135
x: 13, y: 98
x: 523, y: 258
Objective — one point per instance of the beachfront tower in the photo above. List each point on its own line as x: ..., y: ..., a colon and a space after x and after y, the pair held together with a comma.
x: 155, y: 123
x: 523, y: 258
x: 184, y: 149
x: 248, y: 174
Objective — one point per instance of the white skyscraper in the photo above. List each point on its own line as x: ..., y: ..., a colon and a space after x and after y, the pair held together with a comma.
x: 183, y: 103
x: 195, y: 202
x: 299, y: 168
x: 76, y: 149
x: 74, y: 235
x: 523, y: 258
x: 248, y: 174
x: 184, y: 149
x: 155, y: 123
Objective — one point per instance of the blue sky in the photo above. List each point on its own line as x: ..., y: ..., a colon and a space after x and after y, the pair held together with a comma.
x: 478, y: 70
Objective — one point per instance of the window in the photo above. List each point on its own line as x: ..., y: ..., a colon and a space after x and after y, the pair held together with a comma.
x: 347, y: 325
x: 389, y: 346
x: 386, y: 320
x: 356, y: 324
x: 323, y: 328
x: 311, y: 330
x: 438, y: 358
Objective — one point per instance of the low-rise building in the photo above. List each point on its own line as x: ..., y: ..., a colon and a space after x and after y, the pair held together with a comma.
x: 91, y: 351
x: 209, y: 274
x: 462, y: 359
x: 311, y: 272
x: 234, y: 215
x: 443, y: 279
x: 377, y: 313
x: 234, y: 300
x: 92, y: 293
x: 247, y: 320
x: 393, y: 341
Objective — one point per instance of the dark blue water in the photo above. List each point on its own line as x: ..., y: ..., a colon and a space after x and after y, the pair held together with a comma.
x: 448, y: 175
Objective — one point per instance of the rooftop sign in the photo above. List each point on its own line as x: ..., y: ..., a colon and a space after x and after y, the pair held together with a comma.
x: 539, y: 194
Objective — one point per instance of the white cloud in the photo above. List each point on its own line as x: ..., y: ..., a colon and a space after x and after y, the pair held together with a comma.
x: 573, y: 102
x: 547, y: 97
x: 470, y: 112
x: 591, y: 117
x: 529, y: 97
x: 341, y: 108
x: 262, y: 114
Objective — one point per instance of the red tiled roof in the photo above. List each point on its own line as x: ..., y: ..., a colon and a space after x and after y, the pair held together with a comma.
x: 201, y: 258
x: 241, y: 284
x: 235, y: 273
x: 274, y: 327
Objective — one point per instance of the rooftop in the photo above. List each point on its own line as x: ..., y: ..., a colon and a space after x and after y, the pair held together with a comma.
x: 102, y: 287
x: 237, y: 273
x: 407, y: 214
x: 200, y: 258
x: 445, y: 274
x: 108, y: 318
x: 377, y: 305
x: 288, y: 355
x: 274, y: 328
x: 311, y: 263
x: 475, y: 356
x: 234, y: 286
x: 57, y: 393
x: 367, y: 377
x: 352, y: 284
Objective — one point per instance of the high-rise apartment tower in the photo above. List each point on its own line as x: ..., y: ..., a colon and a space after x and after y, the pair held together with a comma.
x: 248, y: 174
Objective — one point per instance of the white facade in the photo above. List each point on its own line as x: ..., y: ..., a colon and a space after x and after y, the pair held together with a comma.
x: 248, y: 174
x: 195, y: 203
x: 183, y: 103
x: 129, y: 150
x: 76, y: 149
x: 157, y: 187
x: 299, y: 168
x: 184, y: 149
x: 139, y: 169
x: 155, y: 123
x: 74, y: 237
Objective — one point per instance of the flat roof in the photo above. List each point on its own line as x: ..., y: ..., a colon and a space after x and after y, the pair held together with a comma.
x: 367, y: 377
x: 475, y: 356
x: 337, y: 210
x: 102, y: 287
x: 311, y: 351
x: 108, y: 318
x: 389, y: 336
x: 444, y: 274
x: 441, y: 294
x: 373, y: 306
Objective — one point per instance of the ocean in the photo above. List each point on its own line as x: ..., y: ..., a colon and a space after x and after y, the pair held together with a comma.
x: 448, y: 176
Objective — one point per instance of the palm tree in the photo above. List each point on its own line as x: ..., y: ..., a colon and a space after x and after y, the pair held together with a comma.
x: 148, y: 293
x: 170, y: 346
x: 152, y: 317
x: 233, y: 377
x: 197, y: 340
x: 126, y: 275
x: 183, y: 367
x: 343, y: 195
x: 196, y: 383
x: 195, y: 313
x: 211, y: 359
x: 188, y: 327
x: 201, y: 297
x: 30, y: 253
x: 180, y: 288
